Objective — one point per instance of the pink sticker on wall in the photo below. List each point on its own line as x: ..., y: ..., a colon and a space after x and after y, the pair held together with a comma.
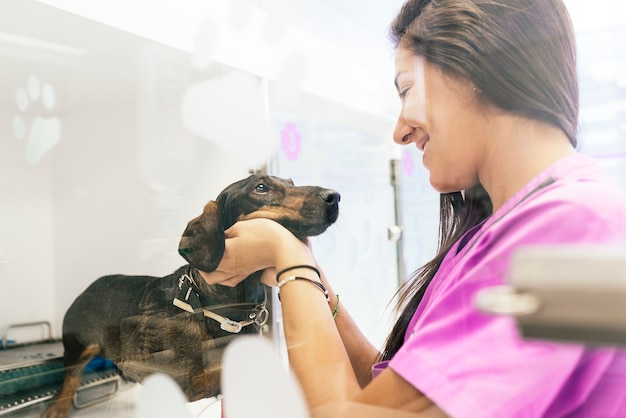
x: 408, y: 163
x: 291, y: 141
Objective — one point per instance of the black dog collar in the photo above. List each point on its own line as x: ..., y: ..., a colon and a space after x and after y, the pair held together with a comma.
x: 188, y: 299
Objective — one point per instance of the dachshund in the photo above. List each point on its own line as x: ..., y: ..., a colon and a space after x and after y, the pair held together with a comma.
x: 178, y: 324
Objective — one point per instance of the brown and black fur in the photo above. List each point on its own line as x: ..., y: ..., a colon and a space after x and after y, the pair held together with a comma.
x: 131, y: 320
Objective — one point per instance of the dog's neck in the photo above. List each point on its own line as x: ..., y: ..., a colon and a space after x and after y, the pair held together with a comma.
x: 189, y: 298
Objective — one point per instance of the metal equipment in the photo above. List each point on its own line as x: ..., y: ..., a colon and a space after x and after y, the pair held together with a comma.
x: 32, y: 373
x: 567, y: 293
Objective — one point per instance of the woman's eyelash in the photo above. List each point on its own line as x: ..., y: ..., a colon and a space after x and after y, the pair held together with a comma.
x: 402, y: 93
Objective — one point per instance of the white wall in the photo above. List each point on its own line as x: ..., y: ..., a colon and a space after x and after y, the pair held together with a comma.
x: 26, y: 234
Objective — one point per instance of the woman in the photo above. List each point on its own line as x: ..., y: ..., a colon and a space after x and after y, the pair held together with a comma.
x: 489, y: 94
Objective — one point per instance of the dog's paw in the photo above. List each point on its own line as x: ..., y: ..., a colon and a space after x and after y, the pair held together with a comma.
x: 58, y: 410
x: 41, y: 132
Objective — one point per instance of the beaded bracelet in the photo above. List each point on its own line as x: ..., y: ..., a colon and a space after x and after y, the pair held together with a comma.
x: 291, y: 278
x: 302, y: 266
x: 336, y: 308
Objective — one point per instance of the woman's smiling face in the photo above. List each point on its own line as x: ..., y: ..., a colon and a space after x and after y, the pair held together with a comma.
x: 441, y: 115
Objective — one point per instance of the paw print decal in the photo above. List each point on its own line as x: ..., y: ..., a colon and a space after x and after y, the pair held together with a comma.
x: 41, y: 132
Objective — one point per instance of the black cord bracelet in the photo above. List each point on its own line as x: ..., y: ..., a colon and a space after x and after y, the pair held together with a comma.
x: 316, y: 283
x: 302, y: 266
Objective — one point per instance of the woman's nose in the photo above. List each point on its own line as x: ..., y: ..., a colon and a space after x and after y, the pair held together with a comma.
x: 402, y: 132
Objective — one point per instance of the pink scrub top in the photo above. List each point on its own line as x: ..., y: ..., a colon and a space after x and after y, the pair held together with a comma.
x: 472, y: 364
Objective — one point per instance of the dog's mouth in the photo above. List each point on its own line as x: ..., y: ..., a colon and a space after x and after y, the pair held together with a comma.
x: 315, y: 221
x: 333, y: 213
x: 315, y: 226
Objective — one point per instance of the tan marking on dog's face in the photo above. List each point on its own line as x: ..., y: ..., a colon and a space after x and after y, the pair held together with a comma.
x: 289, y: 202
x: 272, y: 213
x: 291, y: 207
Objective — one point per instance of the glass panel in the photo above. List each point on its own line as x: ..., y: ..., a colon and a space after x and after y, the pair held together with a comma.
x: 120, y: 120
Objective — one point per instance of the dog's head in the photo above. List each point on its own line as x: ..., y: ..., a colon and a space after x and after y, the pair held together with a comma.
x: 306, y: 211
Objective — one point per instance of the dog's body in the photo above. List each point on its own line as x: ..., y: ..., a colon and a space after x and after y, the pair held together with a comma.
x: 178, y: 324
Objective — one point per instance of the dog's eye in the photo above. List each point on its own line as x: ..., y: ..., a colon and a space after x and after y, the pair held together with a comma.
x: 261, y: 188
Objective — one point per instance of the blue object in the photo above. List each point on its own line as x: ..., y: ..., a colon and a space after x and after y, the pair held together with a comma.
x: 99, y: 364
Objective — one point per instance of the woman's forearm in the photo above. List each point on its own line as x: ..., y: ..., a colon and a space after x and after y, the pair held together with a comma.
x: 363, y: 354
x: 314, y: 345
x: 316, y: 353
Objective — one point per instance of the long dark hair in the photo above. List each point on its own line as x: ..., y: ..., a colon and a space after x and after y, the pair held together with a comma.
x: 458, y: 214
x: 521, y: 55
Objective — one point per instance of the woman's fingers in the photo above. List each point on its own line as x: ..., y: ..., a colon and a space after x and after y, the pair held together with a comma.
x: 233, y: 281
x: 222, y: 278
x: 269, y: 277
x: 253, y: 245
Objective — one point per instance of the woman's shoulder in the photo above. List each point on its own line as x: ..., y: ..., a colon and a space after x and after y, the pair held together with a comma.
x: 575, y: 201
x: 579, y: 184
x: 575, y: 184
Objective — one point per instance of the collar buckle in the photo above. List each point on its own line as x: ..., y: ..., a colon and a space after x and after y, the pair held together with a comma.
x: 231, y: 326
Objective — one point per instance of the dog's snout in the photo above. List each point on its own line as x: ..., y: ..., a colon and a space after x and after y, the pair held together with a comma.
x: 330, y: 196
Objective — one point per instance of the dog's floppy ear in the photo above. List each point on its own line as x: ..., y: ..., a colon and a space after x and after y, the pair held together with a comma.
x: 202, y: 243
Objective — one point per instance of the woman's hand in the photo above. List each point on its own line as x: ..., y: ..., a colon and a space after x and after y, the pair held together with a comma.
x: 257, y: 244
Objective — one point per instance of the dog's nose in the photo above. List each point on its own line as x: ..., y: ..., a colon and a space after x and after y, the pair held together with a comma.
x: 330, y: 196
